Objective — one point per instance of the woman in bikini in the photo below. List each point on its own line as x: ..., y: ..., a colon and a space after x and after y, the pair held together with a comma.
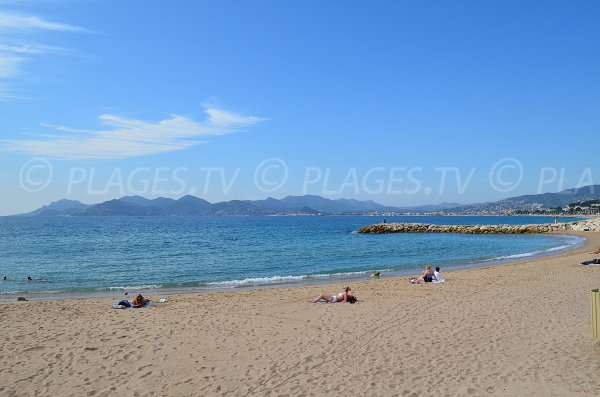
x: 426, y: 277
x: 343, y: 296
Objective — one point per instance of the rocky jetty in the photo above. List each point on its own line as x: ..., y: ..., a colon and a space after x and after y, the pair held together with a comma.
x: 382, y: 228
x: 589, y: 225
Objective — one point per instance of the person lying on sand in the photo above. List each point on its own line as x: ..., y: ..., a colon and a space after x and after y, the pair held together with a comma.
x: 596, y: 252
x: 426, y: 277
x: 139, y: 301
x: 343, y: 296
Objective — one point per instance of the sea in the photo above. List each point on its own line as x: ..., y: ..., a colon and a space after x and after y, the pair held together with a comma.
x: 106, y: 255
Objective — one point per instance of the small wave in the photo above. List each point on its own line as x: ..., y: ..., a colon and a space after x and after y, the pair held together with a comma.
x: 342, y: 274
x: 348, y: 274
x: 30, y: 292
x: 133, y: 287
x: 560, y: 247
x: 572, y: 242
x: 256, y: 281
x: 525, y: 255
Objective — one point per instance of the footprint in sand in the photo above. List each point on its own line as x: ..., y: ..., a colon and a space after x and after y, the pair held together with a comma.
x: 35, y: 349
x: 144, y: 367
x: 146, y: 374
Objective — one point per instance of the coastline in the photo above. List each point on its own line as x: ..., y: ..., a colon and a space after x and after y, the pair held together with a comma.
x: 290, y: 281
x: 516, y: 329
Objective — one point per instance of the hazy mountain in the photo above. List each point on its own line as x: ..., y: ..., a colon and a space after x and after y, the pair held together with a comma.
x: 119, y: 208
x: 160, y: 202
x: 237, y: 207
x: 560, y: 199
x: 136, y: 200
x: 187, y: 205
x: 60, y: 207
x: 194, y: 206
x: 325, y: 205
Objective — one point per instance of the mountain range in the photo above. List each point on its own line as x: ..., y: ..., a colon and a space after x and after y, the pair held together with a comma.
x: 299, y: 205
x: 194, y: 206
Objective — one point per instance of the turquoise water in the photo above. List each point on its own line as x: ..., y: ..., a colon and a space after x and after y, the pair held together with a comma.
x: 71, y: 254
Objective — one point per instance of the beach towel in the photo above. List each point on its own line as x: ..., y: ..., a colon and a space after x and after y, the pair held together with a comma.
x: 125, y: 304
x: 591, y: 262
x: 122, y: 304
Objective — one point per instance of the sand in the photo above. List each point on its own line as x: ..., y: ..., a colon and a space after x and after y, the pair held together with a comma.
x: 522, y: 329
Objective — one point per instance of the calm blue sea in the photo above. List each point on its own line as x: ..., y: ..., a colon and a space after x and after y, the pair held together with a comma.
x: 87, y: 254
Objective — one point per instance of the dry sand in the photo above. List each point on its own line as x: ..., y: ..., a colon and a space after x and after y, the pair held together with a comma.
x: 511, y: 330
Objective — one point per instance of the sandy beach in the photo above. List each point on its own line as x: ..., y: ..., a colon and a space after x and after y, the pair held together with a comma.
x: 520, y: 329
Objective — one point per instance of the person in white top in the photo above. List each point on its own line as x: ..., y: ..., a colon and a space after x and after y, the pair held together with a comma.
x: 437, y: 276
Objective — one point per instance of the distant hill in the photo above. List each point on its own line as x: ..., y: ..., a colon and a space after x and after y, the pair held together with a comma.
x: 194, y: 206
x: 560, y: 199
x: 187, y: 205
x: 160, y: 202
x: 428, y: 208
x: 63, y: 207
x: 544, y: 200
x: 119, y: 208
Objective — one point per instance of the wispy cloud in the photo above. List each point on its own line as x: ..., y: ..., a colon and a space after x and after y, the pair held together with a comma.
x: 18, y: 33
x: 21, y: 22
x: 9, y: 65
x: 30, y: 48
x: 124, y: 137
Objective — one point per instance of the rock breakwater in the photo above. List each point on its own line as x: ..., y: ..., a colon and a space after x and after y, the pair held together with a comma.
x: 382, y: 228
x: 589, y: 225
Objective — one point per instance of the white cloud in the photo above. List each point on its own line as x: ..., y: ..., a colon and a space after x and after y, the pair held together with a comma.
x: 125, y: 138
x: 9, y: 65
x: 29, y: 49
x: 20, y: 22
x: 17, y: 48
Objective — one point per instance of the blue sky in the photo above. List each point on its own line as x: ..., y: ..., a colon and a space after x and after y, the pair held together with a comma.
x: 401, y: 102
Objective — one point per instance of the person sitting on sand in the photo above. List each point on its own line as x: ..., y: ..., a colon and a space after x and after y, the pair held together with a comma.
x: 437, y: 276
x: 426, y: 277
x: 343, y: 296
x: 139, y: 301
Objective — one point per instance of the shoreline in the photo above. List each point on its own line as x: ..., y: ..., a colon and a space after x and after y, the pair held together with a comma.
x: 517, y: 329
x: 306, y: 281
